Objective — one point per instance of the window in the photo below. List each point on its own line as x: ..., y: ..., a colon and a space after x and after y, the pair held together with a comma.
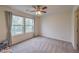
x: 29, y: 25
x: 21, y: 25
x: 17, y: 25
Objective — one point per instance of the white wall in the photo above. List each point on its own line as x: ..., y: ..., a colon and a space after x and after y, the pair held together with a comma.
x: 37, y: 25
x: 57, y: 26
x: 2, y: 26
x: 21, y: 37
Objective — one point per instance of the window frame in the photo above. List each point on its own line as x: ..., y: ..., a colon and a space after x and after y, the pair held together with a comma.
x: 23, y: 26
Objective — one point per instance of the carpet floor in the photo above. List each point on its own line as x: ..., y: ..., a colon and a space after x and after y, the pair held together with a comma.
x: 43, y: 45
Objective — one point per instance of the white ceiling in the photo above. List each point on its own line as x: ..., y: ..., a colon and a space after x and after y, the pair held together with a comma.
x: 50, y: 8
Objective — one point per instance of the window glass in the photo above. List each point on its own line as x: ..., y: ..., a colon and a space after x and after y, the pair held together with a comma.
x: 29, y: 29
x: 17, y: 25
x: 29, y: 24
x: 16, y: 20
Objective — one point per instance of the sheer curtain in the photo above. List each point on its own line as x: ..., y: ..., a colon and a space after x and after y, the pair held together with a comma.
x: 8, y: 17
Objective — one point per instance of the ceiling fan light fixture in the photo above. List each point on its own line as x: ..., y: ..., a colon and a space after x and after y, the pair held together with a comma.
x: 38, y: 13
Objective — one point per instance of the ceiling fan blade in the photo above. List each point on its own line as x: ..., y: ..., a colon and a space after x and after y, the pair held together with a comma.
x: 44, y: 7
x: 44, y: 11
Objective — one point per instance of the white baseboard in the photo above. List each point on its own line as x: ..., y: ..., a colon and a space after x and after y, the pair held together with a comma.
x: 56, y: 38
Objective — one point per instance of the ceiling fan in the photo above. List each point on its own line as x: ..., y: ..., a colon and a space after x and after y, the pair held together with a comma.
x: 39, y: 9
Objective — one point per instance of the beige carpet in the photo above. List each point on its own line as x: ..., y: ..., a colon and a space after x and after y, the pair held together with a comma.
x: 43, y: 45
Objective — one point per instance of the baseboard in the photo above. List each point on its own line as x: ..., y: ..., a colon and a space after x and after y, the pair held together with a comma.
x: 37, y: 36
x: 56, y: 39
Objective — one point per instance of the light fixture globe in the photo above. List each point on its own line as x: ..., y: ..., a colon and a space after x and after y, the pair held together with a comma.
x: 38, y: 13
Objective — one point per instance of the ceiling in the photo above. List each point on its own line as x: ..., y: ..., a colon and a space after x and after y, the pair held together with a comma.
x: 50, y: 8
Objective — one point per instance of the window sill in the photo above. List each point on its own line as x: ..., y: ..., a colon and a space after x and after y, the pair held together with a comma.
x: 22, y: 34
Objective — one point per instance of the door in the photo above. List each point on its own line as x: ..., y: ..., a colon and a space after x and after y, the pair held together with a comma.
x: 77, y: 17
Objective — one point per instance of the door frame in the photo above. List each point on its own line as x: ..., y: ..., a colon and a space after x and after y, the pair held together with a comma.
x: 75, y: 28
x: 77, y: 13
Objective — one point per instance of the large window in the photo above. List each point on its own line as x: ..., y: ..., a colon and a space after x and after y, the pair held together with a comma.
x: 29, y: 25
x: 21, y: 25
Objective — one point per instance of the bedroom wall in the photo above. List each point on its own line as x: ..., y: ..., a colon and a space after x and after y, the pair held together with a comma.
x: 21, y: 37
x: 37, y: 26
x: 57, y: 25
x: 2, y: 26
